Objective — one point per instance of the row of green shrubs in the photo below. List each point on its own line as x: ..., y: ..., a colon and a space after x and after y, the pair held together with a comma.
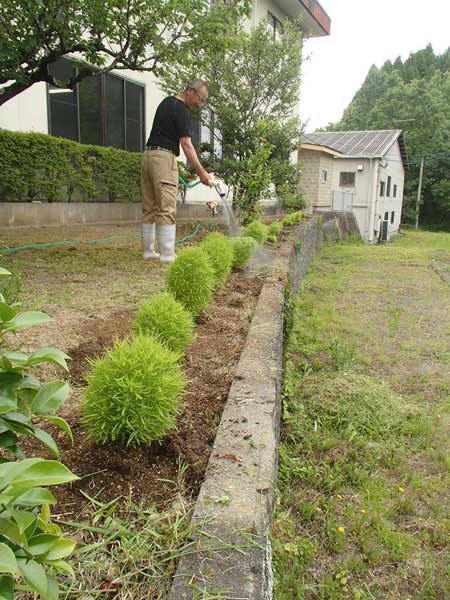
x: 134, y: 391
x: 39, y: 167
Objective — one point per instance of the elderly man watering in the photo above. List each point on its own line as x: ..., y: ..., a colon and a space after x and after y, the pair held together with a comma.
x: 159, y: 172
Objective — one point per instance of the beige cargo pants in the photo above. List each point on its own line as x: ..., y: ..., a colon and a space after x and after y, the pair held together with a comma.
x: 159, y: 182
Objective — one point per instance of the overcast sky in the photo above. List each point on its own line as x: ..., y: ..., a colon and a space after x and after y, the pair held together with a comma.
x: 363, y: 33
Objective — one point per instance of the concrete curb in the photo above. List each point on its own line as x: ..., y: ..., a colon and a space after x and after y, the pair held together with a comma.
x: 230, y: 551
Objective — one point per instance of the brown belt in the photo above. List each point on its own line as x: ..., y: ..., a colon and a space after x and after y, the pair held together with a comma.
x: 159, y: 148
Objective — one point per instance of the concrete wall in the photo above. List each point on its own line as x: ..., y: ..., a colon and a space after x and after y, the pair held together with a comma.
x: 23, y: 214
x: 390, y: 204
x: 229, y: 546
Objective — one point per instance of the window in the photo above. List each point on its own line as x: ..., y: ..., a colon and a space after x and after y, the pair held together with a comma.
x: 105, y: 110
x: 204, y: 131
x: 388, y: 188
x: 275, y: 25
x: 394, y: 193
x: 386, y: 216
x: 382, y: 187
x: 347, y: 179
x: 324, y: 175
x: 392, y: 216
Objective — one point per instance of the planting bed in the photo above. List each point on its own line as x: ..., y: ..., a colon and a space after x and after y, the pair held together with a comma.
x: 147, y: 473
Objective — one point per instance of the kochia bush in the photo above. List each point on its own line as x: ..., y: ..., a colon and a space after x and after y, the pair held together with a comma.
x: 220, y: 253
x: 191, y: 279
x: 257, y: 230
x: 166, y: 319
x: 133, y: 392
x: 243, y: 248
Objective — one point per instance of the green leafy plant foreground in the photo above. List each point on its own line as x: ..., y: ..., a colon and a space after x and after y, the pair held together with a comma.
x: 32, y: 548
x: 133, y: 392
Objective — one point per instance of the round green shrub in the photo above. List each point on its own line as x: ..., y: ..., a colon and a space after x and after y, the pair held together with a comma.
x: 243, y: 248
x: 287, y: 221
x: 256, y: 230
x: 190, y: 279
x: 133, y: 392
x: 272, y: 239
x: 274, y: 229
x: 220, y: 253
x: 166, y: 319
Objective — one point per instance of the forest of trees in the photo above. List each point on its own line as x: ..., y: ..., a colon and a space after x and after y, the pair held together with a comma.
x: 413, y: 95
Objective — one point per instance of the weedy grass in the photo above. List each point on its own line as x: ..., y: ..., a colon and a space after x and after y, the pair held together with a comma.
x: 365, y: 454
x: 128, y: 550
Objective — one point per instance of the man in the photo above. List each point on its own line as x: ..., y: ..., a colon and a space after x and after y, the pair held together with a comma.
x: 159, y: 171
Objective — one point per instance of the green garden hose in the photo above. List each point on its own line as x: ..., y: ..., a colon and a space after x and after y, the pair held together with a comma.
x: 97, y: 241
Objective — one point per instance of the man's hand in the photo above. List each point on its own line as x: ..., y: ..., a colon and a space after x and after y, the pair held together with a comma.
x: 206, y: 179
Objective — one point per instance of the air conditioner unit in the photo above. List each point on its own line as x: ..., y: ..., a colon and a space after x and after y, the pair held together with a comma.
x: 385, y: 231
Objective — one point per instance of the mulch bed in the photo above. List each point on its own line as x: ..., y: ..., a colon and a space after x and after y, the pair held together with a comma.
x: 152, y: 473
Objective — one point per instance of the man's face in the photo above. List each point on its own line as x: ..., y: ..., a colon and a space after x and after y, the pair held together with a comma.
x: 196, y: 99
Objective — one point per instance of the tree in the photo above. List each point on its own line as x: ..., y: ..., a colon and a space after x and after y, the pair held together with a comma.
x: 253, y: 93
x: 103, y: 35
x: 412, y: 95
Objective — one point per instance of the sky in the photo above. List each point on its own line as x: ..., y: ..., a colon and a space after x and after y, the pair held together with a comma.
x: 363, y: 33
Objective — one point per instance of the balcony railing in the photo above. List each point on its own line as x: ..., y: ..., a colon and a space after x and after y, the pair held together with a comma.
x: 318, y: 13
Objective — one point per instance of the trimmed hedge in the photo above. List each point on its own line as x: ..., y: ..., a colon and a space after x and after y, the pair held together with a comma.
x: 35, y: 166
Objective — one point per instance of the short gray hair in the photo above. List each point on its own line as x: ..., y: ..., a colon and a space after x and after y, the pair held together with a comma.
x: 195, y: 84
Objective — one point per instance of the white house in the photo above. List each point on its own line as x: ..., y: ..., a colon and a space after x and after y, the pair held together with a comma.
x: 358, y: 171
x: 117, y: 109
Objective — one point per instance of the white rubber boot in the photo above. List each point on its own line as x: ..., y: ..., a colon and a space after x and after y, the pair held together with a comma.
x: 166, y: 240
x: 148, y: 240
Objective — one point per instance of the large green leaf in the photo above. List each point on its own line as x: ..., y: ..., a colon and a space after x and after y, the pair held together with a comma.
x: 50, y: 397
x: 7, y: 403
x: 11, y: 531
x: 6, y: 312
x: 47, y: 440
x: 62, y: 566
x: 42, y: 543
x: 8, y: 562
x: 8, y: 439
x: 9, y: 471
x: 34, y: 575
x: 4, y: 271
x: 62, y: 549
x: 49, y: 355
x: 27, y: 319
x: 42, y: 472
x: 6, y: 588
x: 62, y: 424
x: 25, y: 520
x: 35, y: 497
x: 15, y: 358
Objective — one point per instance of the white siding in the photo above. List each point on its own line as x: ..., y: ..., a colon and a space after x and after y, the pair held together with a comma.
x: 27, y: 111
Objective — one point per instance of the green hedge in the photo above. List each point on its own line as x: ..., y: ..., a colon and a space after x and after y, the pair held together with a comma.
x: 35, y: 166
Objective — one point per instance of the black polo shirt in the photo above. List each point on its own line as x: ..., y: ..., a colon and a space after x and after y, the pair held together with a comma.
x: 172, y: 121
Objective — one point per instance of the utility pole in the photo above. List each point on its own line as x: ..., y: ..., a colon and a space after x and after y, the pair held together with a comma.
x: 419, y: 191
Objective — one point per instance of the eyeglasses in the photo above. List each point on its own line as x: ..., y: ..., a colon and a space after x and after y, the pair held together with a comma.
x: 203, y: 101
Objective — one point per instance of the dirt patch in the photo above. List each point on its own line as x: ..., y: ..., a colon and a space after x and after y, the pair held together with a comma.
x: 152, y: 472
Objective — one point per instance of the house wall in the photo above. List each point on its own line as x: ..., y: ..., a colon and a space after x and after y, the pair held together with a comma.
x: 309, y: 163
x: 389, y: 204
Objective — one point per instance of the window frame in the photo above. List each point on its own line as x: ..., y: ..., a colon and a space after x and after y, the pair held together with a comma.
x: 103, y: 109
x: 382, y: 189
x: 344, y: 176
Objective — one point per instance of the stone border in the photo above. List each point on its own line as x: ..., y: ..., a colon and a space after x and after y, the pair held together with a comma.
x: 229, y: 554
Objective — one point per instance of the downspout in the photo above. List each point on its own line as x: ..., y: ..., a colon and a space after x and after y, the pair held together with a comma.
x: 369, y: 195
x: 373, y: 202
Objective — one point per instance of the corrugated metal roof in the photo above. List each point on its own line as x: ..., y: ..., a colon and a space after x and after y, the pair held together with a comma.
x: 358, y: 144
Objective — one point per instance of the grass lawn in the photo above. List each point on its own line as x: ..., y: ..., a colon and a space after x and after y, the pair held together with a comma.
x: 363, y: 510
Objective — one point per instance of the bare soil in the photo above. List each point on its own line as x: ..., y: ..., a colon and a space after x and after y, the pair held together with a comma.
x: 151, y: 473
